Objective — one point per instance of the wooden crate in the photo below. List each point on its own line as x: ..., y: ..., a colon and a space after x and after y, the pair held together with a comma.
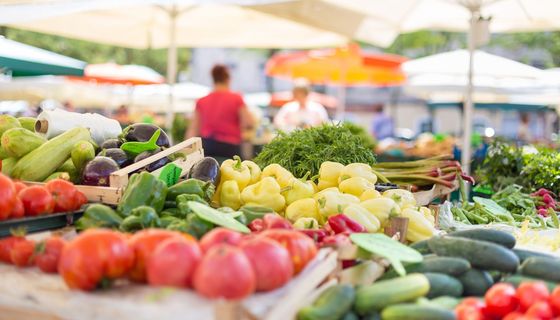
x: 27, y: 294
x: 192, y: 148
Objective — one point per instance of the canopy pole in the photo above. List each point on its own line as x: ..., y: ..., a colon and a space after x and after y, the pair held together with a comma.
x: 171, y: 64
x: 468, y: 105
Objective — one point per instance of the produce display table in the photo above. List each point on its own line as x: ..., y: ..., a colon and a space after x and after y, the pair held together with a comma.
x: 27, y: 294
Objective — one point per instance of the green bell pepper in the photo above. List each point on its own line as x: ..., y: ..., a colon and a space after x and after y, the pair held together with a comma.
x: 148, y: 216
x: 192, y: 186
x: 143, y: 189
x: 182, y: 201
x: 131, y: 224
x: 98, y: 216
x: 254, y: 212
x: 172, y: 212
x: 193, y: 225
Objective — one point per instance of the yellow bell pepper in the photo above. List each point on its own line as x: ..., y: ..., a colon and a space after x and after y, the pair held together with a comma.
x: 234, y: 169
x: 306, y: 223
x: 254, y: 169
x: 333, y: 201
x: 230, y: 195
x: 402, y: 197
x: 355, y: 186
x: 298, y: 189
x: 428, y: 214
x: 363, y: 217
x: 382, y: 208
x: 358, y: 170
x: 307, y: 208
x: 418, y: 224
x: 369, y: 194
x: 329, y: 172
x: 265, y: 193
x: 276, y: 171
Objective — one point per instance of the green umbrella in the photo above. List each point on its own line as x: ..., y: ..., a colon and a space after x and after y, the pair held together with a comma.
x: 22, y: 60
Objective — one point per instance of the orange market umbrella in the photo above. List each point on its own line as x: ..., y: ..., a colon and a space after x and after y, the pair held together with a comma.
x: 342, y: 66
x: 112, y: 73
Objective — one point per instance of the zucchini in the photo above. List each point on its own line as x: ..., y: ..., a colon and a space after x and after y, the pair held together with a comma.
x: 422, y: 247
x: 411, y: 311
x: 8, y: 165
x: 443, y: 285
x: 541, y: 268
x: 332, y: 304
x: 58, y: 175
x: 448, y: 265
x: 481, y: 254
x: 38, y: 164
x: 495, y: 236
x: 523, y: 254
x: 445, y: 302
x: 8, y: 122
x: 3, y: 154
x: 475, y: 282
x: 387, y: 292
x: 82, y: 153
x: 18, y: 142
x: 517, y: 279
x: 68, y: 167
x: 27, y: 123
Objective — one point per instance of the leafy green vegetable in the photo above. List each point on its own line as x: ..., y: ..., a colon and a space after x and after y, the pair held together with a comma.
x: 304, y: 150
x: 226, y: 220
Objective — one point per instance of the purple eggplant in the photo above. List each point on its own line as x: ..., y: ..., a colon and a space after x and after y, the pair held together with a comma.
x: 120, y: 157
x: 98, y: 170
x: 154, y: 165
x: 111, y: 143
x: 142, y: 132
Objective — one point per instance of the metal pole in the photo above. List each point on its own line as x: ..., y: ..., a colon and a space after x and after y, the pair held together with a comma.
x: 171, y: 64
x: 468, y: 106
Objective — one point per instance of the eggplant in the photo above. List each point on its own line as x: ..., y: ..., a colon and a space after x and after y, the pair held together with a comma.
x: 111, y: 143
x: 142, y: 132
x: 206, y: 169
x: 120, y: 157
x: 154, y: 165
x: 98, y: 170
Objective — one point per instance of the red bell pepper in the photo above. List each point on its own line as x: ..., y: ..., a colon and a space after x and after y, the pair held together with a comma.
x: 337, y: 240
x: 316, y: 234
x: 342, y: 224
x: 256, y: 225
x: 274, y: 221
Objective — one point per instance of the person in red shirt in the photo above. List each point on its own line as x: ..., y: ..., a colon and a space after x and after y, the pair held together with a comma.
x: 220, y: 117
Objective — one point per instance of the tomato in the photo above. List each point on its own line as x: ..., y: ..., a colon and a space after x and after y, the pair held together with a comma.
x: 22, y: 253
x: 37, y: 200
x: 554, y: 299
x: 530, y: 292
x: 516, y: 315
x: 48, y: 254
x: 7, y: 196
x: 6, y: 245
x: 173, y: 262
x: 19, y: 186
x: 470, y: 309
x: 94, y: 255
x: 80, y: 199
x: 17, y: 211
x: 220, y: 235
x: 302, y: 249
x: 271, y: 262
x: 64, y: 194
x: 144, y: 243
x: 540, y: 310
x: 500, y: 300
x: 224, y: 272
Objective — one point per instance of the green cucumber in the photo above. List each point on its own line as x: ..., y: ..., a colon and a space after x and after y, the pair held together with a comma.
x: 422, y: 247
x: 517, y: 279
x: 448, y: 265
x: 411, y: 311
x: 475, y: 282
x: 443, y: 285
x: 525, y: 254
x: 384, y: 293
x: 541, y: 268
x: 495, y: 236
x: 481, y: 254
x: 445, y: 302
x: 333, y: 304
x: 18, y: 142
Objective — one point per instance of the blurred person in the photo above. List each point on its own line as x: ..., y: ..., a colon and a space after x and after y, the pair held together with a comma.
x: 301, y: 112
x: 382, y: 125
x: 220, y: 117
x: 524, y: 132
x: 121, y: 115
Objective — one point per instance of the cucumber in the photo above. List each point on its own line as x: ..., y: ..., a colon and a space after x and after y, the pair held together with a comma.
x: 496, y: 275
x: 517, y: 279
x: 421, y: 246
x: 495, y: 236
x: 68, y: 166
x: 387, y: 292
x: 38, y: 164
x: 443, y: 285
x: 350, y: 316
x: 411, y: 311
x: 481, y: 254
x: 82, y: 153
x: 448, y: 265
x: 523, y: 254
x: 18, y: 142
x: 475, y: 282
x: 333, y: 304
x: 372, y: 316
x: 8, y: 165
x: 541, y: 268
x: 445, y: 302
x: 27, y: 123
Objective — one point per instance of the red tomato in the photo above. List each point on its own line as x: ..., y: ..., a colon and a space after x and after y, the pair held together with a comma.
x: 48, y: 254
x: 64, y: 194
x: 7, y: 196
x: 554, y: 299
x: 17, y: 211
x: 19, y: 186
x: 37, y: 200
x: 540, y: 310
x: 80, y: 199
x: 500, y: 300
x: 173, y: 262
x: 224, y: 272
x: 516, y: 315
x: 144, y: 243
x: 530, y: 292
x: 271, y: 262
x: 22, y: 253
x: 94, y: 255
x: 6, y: 245
x: 220, y: 235
x: 302, y: 249
x: 470, y: 309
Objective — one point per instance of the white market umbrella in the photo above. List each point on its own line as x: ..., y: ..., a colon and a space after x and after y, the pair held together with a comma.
x: 155, y: 97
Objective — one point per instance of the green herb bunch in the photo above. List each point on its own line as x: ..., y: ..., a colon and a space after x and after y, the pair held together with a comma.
x: 542, y: 170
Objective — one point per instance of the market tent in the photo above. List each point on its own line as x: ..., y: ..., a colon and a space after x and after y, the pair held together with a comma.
x: 112, y: 73
x: 22, y: 60
x: 156, y: 97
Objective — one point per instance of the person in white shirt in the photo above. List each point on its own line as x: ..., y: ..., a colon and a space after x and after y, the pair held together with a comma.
x: 301, y: 112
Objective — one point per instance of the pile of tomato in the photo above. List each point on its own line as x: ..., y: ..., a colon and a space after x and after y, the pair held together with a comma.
x: 530, y: 301
x: 18, y: 200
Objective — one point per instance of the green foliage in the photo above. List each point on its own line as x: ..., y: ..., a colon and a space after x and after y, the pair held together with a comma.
x: 542, y: 170
x: 178, y: 128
